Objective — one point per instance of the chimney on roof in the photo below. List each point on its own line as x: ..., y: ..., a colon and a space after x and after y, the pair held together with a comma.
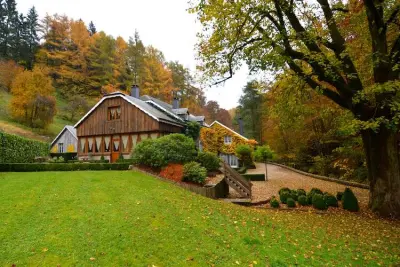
x: 175, y: 99
x: 135, y: 91
x: 241, y: 126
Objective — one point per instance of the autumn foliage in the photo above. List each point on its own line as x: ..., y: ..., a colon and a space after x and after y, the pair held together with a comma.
x: 33, y: 101
x: 8, y: 71
x: 173, y: 172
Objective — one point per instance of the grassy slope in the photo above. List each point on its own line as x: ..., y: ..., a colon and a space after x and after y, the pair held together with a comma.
x: 13, y: 127
x: 127, y: 218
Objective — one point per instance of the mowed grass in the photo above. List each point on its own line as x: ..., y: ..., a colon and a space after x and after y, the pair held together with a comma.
x: 113, y: 218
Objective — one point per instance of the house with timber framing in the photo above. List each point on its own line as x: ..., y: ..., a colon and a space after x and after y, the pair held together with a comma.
x: 118, y: 122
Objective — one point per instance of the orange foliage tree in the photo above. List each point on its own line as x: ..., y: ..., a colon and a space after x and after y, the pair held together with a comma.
x: 8, y: 70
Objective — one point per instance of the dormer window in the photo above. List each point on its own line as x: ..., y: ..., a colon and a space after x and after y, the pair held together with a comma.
x: 114, y: 113
x: 227, y: 139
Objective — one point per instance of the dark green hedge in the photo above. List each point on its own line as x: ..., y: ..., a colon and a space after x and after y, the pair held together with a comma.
x: 41, y: 167
x: 16, y: 149
x: 254, y: 177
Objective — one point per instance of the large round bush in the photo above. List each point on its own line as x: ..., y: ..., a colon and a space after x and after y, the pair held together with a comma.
x: 291, y: 203
x: 284, y: 196
x: 331, y: 200
x: 208, y: 160
x: 173, y: 148
x: 303, y: 200
x: 193, y: 172
x: 318, y: 202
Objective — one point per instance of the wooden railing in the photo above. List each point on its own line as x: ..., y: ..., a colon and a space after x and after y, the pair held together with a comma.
x: 236, y: 181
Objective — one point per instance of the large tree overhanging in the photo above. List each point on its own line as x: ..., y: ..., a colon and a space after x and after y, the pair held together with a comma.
x: 308, y: 39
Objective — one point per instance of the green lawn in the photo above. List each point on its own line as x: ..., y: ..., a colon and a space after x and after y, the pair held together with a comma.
x: 126, y: 218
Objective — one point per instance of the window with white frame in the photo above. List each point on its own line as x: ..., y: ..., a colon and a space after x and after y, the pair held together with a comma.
x: 227, y: 139
x: 60, y: 147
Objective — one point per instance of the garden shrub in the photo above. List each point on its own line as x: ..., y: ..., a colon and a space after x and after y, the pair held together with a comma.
x: 284, y: 189
x: 172, y: 148
x: 209, y: 160
x: 339, y: 196
x: 173, y: 172
x: 274, y: 203
x: 242, y: 170
x: 330, y: 200
x: 293, y: 195
x: 245, y: 154
x: 316, y: 191
x: 16, y: 149
x: 303, y: 200
x: 193, y: 172
x: 301, y: 192
x: 291, y: 203
x: 284, y: 196
x: 349, y: 200
x: 318, y: 202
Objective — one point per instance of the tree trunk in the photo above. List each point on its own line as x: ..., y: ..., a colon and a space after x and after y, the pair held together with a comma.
x: 266, y: 171
x: 383, y: 162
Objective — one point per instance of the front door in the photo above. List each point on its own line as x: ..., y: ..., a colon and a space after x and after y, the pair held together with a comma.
x: 115, y: 148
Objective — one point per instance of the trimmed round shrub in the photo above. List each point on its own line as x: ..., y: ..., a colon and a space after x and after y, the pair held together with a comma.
x: 301, y: 192
x: 274, y: 203
x: 208, y: 160
x: 193, y: 172
x: 316, y: 191
x: 349, y: 200
x: 172, y: 148
x: 318, y: 202
x: 293, y: 195
x: 284, y: 196
x: 339, y: 196
x: 303, y: 200
x: 330, y: 200
x: 284, y: 189
x: 291, y: 203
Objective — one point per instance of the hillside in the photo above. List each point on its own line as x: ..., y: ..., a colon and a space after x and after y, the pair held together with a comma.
x: 8, y: 125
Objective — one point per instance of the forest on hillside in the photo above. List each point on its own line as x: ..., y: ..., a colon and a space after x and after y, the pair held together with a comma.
x: 44, y: 60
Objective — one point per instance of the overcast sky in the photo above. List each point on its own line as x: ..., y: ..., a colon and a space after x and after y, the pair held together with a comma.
x: 165, y: 24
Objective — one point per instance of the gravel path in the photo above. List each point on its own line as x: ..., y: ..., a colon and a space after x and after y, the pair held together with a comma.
x: 279, y: 177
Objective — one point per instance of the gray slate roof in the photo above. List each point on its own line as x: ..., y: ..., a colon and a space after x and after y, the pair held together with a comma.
x: 180, y: 111
x: 152, y: 110
x: 71, y: 129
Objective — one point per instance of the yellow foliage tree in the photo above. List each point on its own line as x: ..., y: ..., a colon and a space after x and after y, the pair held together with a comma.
x: 33, y: 102
x: 156, y: 80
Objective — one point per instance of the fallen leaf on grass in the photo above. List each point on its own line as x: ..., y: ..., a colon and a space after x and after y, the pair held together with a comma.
x: 92, y: 259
